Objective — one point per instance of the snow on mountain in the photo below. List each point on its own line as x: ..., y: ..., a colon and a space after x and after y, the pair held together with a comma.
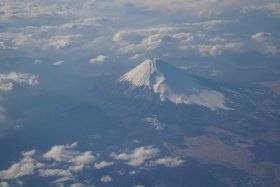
x: 174, y: 84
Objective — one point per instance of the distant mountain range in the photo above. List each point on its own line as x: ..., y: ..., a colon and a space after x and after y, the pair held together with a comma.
x: 174, y: 84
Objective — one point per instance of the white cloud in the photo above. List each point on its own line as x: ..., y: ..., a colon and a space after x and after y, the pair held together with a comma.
x: 58, y: 63
x: 68, y: 153
x: 99, y: 59
x: 62, y: 41
x: 54, y: 173
x: 63, y: 179
x: 62, y: 153
x: 62, y: 162
x: 219, y: 48
x: 106, y: 179
x: 168, y: 161
x: 7, y: 81
x: 26, y: 166
x: 102, y: 164
x: 261, y: 36
x: 138, y: 156
x: 29, y: 153
x: 83, y: 158
x: 265, y: 43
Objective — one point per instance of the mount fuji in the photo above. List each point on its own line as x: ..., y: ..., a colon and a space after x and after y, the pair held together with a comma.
x: 174, y: 84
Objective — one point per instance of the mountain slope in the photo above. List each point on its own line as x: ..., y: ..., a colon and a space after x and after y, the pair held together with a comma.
x: 173, y: 84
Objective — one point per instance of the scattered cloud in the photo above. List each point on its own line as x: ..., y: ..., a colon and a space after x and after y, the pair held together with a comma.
x: 7, y: 81
x: 68, y: 153
x: 61, y: 180
x: 65, y: 163
x: 102, y: 164
x: 54, y: 172
x: 106, y: 179
x: 216, y: 49
x: 100, y: 59
x: 62, y: 153
x: 265, y: 43
x: 138, y: 156
x: 168, y: 161
x: 26, y: 166
x: 59, y: 63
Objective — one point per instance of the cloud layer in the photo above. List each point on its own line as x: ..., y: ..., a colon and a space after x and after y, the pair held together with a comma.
x: 65, y: 163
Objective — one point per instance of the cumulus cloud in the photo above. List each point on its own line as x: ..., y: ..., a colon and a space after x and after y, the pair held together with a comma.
x: 62, y: 152
x: 99, y: 59
x: 168, y: 161
x: 83, y: 158
x: 106, y: 179
x: 102, y: 164
x: 138, y: 156
x: 26, y: 166
x: 7, y: 81
x: 67, y: 153
x: 63, y: 162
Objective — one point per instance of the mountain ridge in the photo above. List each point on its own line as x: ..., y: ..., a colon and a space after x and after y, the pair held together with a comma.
x: 173, y: 84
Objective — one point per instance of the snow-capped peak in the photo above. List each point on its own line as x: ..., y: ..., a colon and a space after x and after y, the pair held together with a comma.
x: 144, y: 73
x: 173, y: 84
